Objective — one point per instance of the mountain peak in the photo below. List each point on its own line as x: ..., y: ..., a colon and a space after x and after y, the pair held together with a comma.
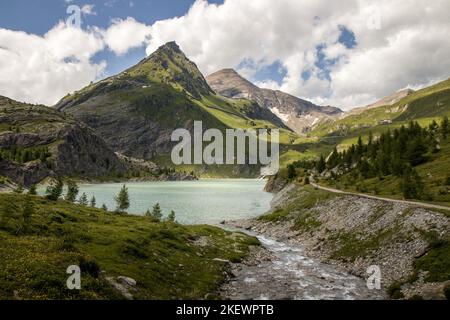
x: 231, y: 84
x: 297, y: 114
x: 172, y: 45
x: 169, y: 65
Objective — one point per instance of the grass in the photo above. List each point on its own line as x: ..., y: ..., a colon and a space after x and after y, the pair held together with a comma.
x: 305, y: 198
x: 163, y: 257
x: 351, y: 245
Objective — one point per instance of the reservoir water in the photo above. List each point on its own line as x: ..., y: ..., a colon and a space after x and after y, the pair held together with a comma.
x: 194, y: 202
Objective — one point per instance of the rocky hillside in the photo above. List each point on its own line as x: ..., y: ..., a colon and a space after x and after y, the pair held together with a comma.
x: 37, y: 142
x: 299, y: 115
x: 386, y: 101
x: 411, y: 245
x: 137, y: 110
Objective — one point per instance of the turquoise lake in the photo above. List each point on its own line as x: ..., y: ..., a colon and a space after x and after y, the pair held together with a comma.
x: 194, y: 202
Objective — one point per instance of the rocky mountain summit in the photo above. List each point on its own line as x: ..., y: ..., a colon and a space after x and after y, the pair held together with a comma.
x: 299, y: 115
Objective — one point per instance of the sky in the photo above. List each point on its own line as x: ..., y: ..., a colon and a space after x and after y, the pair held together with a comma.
x: 346, y: 53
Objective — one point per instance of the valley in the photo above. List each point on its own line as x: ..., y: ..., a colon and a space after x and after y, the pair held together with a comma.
x: 329, y: 219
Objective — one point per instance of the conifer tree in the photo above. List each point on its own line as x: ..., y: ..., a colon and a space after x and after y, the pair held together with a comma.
x: 83, y: 200
x: 72, y: 191
x: 123, y: 200
x: 32, y: 191
x: 171, y: 216
x: 93, y: 202
x: 54, y: 190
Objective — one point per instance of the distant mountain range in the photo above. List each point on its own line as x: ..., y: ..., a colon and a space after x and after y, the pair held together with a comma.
x: 299, y: 115
x: 105, y: 127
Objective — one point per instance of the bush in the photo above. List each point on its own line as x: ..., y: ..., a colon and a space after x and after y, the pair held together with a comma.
x: 395, y: 291
x: 447, y: 292
x: 90, y: 267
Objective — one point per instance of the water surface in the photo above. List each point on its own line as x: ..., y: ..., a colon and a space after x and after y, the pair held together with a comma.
x: 194, y: 202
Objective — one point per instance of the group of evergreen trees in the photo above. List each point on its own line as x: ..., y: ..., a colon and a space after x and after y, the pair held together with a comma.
x: 395, y: 152
x: 24, y: 155
x: 55, y: 191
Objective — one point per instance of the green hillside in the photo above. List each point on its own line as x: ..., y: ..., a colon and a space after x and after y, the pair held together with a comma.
x: 40, y: 239
x: 429, y: 103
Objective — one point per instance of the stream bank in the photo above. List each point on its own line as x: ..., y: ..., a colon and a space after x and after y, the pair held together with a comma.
x: 409, y: 244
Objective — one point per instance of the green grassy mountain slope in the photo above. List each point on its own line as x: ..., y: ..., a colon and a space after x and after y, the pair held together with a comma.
x: 426, y: 104
x: 137, y: 110
x: 37, y: 141
x: 167, y: 260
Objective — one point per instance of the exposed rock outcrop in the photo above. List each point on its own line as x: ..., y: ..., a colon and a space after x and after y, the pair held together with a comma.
x: 299, y: 115
x: 38, y: 142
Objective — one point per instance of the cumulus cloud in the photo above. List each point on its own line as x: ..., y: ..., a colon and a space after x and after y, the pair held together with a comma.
x: 43, y: 69
x: 124, y: 35
x: 399, y: 44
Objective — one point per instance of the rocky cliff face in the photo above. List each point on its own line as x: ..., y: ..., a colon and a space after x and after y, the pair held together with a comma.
x: 36, y: 142
x: 299, y: 115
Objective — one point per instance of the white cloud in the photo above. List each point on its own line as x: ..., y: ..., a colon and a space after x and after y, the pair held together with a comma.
x: 399, y: 43
x: 88, y: 9
x: 123, y: 35
x: 42, y: 69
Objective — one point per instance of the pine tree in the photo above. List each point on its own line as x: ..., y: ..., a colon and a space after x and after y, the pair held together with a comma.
x: 27, y: 212
x: 93, y: 202
x: 412, y: 185
x: 83, y: 200
x: 291, y: 172
x: 72, y: 191
x: 171, y: 216
x: 321, y: 166
x: 445, y: 127
x: 123, y: 199
x: 156, y: 212
x: 19, y: 189
x: 104, y: 207
x: 54, y: 190
x: 32, y: 191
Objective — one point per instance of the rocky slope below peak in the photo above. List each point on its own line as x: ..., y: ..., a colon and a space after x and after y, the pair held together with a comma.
x: 299, y: 115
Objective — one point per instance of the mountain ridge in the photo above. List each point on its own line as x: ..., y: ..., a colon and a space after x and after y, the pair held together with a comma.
x: 298, y: 114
